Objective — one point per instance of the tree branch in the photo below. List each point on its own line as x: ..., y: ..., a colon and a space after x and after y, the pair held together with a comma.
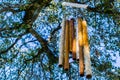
x: 10, y: 7
x: 8, y: 28
x: 30, y: 17
x: 54, y: 31
x: 107, y: 7
x: 4, y: 51
x: 33, y: 11
x: 44, y: 45
x: 38, y: 54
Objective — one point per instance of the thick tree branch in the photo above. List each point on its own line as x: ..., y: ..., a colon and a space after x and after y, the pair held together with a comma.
x: 30, y: 16
x: 44, y: 44
x: 33, y: 11
x: 42, y: 41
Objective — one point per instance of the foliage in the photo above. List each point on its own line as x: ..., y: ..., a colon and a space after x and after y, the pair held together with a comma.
x: 29, y: 39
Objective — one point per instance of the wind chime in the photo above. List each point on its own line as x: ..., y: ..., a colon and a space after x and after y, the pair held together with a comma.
x: 75, y: 40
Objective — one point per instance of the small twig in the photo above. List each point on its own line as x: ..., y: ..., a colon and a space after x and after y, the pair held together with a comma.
x: 53, y: 32
x: 33, y: 57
